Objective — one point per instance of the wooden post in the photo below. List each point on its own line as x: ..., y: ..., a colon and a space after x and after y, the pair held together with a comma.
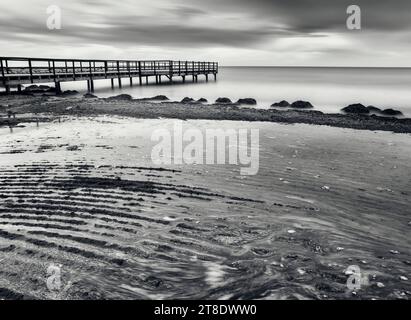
x: 74, y: 70
x: 118, y: 74
x: 57, y: 86
x: 112, y: 83
x: 2, y: 72
x: 31, y: 72
x: 105, y: 69
x: 54, y: 71
x: 139, y: 73
x: 170, y: 69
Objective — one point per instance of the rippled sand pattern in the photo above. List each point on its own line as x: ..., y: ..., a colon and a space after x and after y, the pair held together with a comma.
x: 84, y: 195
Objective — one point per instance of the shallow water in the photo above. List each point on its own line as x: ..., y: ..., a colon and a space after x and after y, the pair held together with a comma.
x: 84, y: 194
x: 328, y: 89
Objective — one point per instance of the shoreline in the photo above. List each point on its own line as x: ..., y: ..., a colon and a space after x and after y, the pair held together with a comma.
x: 55, y: 106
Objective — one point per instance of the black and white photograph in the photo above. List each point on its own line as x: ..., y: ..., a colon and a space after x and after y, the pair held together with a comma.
x: 227, y: 151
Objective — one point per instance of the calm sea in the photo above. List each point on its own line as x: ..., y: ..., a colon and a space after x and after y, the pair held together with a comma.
x: 328, y: 89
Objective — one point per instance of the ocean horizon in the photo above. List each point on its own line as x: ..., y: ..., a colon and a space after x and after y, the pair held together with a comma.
x: 329, y: 89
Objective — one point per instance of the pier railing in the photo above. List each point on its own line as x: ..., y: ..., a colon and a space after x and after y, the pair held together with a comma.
x: 18, y: 71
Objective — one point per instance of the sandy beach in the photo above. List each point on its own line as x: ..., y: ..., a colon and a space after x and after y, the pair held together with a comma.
x: 78, y: 189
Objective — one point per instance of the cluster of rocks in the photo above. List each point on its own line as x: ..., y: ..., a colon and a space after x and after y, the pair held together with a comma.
x: 120, y: 97
x: 46, y: 90
x: 359, y: 108
x: 296, y: 104
x: 246, y: 101
x: 191, y: 100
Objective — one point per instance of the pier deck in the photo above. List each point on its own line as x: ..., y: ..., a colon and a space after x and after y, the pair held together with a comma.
x: 16, y: 71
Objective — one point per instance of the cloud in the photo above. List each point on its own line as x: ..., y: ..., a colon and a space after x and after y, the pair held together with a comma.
x: 254, y: 28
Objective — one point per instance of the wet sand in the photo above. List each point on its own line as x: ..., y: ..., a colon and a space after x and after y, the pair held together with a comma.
x: 83, y: 194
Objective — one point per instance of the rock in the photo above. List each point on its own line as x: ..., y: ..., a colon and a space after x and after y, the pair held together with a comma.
x: 32, y: 87
x: 223, y: 100
x: 249, y: 101
x: 403, y: 278
x: 69, y: 93
x: 121, y: 97
x: 72, y: 148
x: 373, y: 109
x: 159, y: 98
x: 327, y: 188
x: 202, y: 100
x: 380, y: 285
x: 281, y: 104
x: 391, y: 112
x: 187, y: 100
x: 357, y: 108
x: 38, y: 89
x: 394, y: 252
x: 291, y: 231
x: 302, y: 105
x: 89, y: 96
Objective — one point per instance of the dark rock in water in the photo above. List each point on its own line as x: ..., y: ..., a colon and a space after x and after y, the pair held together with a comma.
x: 391, y: 112
x: 38, y: 89
x: 223, y: 100
x: 89, y: 96
x: 357, y: 108
x: 201, y: 100
x: 249, y: 101
x: 281, y: 104
x: 187, y: 100
x: 69, y: 93
x: 302, y: 105
x: 32, y: 87
x: 159, y: 98
x: 121, y: 97
x: 373, y: 109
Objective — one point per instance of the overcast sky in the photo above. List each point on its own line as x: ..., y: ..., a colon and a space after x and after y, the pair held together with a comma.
x: 233, y: 32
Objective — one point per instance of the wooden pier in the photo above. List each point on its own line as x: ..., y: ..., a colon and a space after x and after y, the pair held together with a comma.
x: 16, y: 71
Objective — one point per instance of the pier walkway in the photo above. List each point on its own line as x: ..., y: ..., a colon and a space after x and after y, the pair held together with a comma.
x: 16, y: 71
